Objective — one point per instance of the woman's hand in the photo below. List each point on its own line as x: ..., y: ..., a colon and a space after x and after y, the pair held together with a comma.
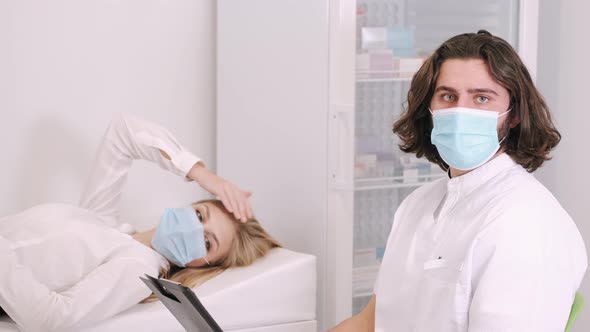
x: 233, y: 198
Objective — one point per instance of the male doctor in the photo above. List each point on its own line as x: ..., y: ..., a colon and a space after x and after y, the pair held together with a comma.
x: 488, y: 248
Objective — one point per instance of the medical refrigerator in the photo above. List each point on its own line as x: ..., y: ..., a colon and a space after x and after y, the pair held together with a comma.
x: 307, y: 93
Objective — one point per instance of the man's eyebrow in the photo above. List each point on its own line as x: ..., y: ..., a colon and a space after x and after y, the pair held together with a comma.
x: 483, y: 90
x: 470, y: 91
x: 445, y: 88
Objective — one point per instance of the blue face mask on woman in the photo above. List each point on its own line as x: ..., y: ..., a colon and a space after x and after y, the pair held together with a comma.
x: 180, y: 236
x: 465, y: 138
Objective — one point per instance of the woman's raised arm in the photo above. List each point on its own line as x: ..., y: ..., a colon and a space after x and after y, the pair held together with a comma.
x: 129, y: 138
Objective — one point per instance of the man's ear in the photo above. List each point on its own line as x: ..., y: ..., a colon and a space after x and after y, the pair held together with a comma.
x: 515, y: 121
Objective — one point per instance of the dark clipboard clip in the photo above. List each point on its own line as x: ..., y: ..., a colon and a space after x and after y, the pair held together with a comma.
x: 182, y: 302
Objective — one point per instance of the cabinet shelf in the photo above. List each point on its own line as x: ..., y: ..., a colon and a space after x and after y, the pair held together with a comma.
x: 385, y: 79
x: 395, y: 182
x: 383, y: 76
x: 364, y: 279
x: 362, y: 294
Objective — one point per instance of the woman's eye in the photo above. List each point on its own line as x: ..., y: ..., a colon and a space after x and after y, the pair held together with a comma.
x: 207, y: 244
x: 482, y: 99
x: 199, y: 215
x: 448, y: 97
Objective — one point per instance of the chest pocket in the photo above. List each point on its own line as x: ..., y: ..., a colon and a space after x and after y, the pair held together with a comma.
x: 443, y: 271
x: 443, y: 297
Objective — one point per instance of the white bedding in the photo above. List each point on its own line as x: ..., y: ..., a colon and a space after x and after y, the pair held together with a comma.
x: 277, y: 290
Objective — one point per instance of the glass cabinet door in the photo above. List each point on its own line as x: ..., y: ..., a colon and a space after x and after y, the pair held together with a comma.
x: 393, y: 38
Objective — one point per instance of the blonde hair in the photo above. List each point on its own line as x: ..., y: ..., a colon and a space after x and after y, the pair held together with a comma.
x: 251, y: 241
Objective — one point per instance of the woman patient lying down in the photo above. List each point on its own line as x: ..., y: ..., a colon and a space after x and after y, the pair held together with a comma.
x: 64, y: 267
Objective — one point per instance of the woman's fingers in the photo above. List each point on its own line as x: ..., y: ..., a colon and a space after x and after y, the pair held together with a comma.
x: 245, y: 206
x: 240, y: 203
x: 226, y: 203
x: 233, y: 201
x: 225, y: 199
x: 242, y: 206
x: 247, y: 195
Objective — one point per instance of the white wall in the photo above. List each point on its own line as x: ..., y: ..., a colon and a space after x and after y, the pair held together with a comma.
x: 272, y: 111
x: 563, y: 74
x: 66, y: 66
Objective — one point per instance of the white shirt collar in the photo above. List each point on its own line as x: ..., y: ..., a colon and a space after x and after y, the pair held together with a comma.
x: 466, y: 183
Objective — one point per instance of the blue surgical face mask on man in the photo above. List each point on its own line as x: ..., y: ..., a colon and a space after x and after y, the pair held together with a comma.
x: 180, y: 236
x: 465, y: 138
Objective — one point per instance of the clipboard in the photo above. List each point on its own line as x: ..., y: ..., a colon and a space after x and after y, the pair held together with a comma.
x: 182, y: 302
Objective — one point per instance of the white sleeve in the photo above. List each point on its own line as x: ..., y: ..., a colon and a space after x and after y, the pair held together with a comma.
x: 398, y: 219
x: 109, y: 289
x: 126, y: 139
x: 525, y: 277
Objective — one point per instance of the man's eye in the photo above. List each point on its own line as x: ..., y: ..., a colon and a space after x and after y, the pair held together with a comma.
x: 482, y: 99
x: 448, y: 97
x: 199, y: 216
x: 207, y: 244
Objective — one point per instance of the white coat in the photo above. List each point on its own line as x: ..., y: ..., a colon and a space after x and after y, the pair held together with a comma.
x: 491, y: 250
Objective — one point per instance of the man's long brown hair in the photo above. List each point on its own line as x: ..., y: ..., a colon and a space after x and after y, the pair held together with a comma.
x: 528, y: 143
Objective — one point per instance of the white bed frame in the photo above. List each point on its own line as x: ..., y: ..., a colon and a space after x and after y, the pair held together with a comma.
x: 275, y: 294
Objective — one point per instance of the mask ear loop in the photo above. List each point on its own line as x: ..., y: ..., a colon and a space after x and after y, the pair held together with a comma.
x: 207, y: 261
x: 499, y: 116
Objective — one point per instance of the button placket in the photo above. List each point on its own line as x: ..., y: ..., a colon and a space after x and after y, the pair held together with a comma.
x: 443, y: 218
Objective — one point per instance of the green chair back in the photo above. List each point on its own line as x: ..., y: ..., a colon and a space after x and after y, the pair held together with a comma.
x: 576, y: 308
